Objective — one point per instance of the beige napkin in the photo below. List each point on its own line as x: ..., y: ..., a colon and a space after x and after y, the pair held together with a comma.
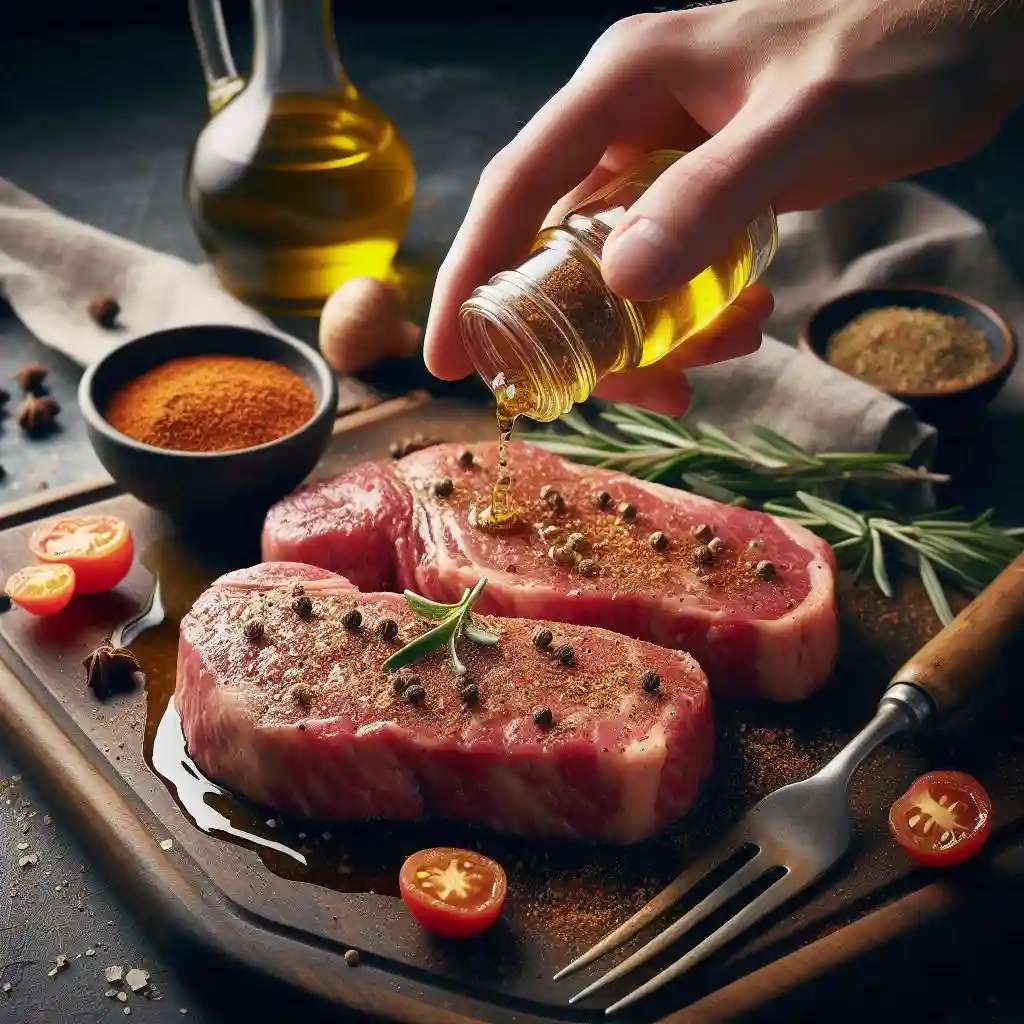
x: 51, y: 267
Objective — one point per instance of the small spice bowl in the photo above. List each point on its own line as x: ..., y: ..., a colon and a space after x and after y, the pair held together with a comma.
x: 947, y: 404
x: 190, y: 486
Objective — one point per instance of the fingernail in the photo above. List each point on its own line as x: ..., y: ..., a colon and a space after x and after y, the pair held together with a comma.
x: 643, y: 254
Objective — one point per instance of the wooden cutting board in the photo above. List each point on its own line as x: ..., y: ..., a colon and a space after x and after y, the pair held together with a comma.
x: 287, y: 899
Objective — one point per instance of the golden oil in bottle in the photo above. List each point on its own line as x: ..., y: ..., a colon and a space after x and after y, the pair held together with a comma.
x: 291, y: 195
x: 554, y: 329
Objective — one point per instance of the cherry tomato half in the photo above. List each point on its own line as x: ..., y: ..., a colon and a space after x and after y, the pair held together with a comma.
x: 943, y: 819
x: 99, y: 548
x: 42, y: 589
x: 451, y: 892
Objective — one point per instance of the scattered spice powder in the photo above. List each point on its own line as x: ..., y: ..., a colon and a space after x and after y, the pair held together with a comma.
x: 906, y: 349
x: 212, y: 404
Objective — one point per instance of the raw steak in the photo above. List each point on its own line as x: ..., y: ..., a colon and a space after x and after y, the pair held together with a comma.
x: 384, y: 525
x: 303, y: 719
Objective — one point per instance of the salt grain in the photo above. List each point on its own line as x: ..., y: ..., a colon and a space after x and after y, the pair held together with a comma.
x: 137, y: 979
x: 114, y: 974
x: 166, y: 844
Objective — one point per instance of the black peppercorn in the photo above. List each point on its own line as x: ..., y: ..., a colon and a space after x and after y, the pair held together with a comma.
x: 298, y: 590
x: 5, y: 603
x: 303, y: 606
x: 703, y: 532
x: 253, y: 629
x: 556, y: 502
x: 415, y: 694
x: 547, y: 490
x: 444, y: 487
x: 765, y: 569
x: 469, y: 693
x: 105, y: 310
x: 402, y: 683
x: 702, y: 555
x: 564, y: 655
x: 543, y: 717
x: 603, y: 499
x: 589, y: 567
x: 542, y: 639
x: 651, y: 682
x: 466, y: 459
x: 716, y: 545
x: 352, y: 619
x: 627, y: 511
x: 658, y: 541
x: 387, y: 629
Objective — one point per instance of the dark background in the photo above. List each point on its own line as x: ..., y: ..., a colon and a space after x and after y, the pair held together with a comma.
x: 99, y: 103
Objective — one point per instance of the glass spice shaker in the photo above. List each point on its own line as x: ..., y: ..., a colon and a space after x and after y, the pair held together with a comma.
x: 553, y: 329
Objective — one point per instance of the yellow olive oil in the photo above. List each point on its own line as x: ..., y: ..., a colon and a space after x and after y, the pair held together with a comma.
x: 293, y: 194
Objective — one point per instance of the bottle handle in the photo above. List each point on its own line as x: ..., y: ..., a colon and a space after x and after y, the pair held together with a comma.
x: 222, y: 79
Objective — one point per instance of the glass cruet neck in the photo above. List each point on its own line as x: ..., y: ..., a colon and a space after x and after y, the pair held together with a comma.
x: 295, y: 50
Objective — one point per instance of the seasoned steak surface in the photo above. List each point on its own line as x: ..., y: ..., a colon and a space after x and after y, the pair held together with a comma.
x: 297, y: 714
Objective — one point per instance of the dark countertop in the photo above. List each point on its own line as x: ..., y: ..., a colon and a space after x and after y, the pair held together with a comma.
x: 98, y: 125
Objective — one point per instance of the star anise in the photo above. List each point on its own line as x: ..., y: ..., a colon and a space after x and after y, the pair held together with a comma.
x: 31, y: 377
x: 36, y: 416
x: 110, y: 670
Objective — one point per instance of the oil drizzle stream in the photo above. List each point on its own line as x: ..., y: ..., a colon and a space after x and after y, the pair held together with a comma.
x: 501, y: 514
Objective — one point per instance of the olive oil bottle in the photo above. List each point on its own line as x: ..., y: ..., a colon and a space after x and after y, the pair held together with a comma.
x: 298, y: 182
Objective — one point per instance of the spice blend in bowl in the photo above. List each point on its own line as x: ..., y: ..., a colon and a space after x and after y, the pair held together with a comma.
x: 211, y: 403
x: 944, y: 354
x: 900, y: 348
x: 210, y: 424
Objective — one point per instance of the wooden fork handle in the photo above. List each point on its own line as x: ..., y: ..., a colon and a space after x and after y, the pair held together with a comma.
x: 951, y: 666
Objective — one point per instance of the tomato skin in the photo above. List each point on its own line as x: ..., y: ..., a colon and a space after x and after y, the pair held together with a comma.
x: 457, y: 917
x: 971, y: 812
x: 42, y: 589
x: 99, y: 548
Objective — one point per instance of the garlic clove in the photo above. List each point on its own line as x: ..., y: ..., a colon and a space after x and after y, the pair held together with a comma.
x: 363, y: 322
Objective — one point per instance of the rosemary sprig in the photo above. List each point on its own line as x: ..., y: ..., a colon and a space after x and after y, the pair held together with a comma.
x: 969, y: 554
x: 706, y: 460
x: 454, y: 622
x: 782, y: 478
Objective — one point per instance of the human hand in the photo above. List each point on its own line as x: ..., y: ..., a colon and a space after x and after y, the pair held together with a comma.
x: 794, y: 105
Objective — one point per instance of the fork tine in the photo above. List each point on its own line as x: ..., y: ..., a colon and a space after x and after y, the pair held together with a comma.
x: 733, y: 885
x: 671, y: 894
x: 778, y: 892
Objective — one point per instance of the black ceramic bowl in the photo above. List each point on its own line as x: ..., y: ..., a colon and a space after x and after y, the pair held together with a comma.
x: 192, y: 486
x: 948, y: 404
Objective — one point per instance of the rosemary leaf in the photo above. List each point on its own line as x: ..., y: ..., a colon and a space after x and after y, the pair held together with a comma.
x: 421, y: 646
x: 933, y: 588
x: 483, y: 637
x: 460, y: 669
x: 783, y: 447
x: 842, y: 518
x: 878, y: 569
x: 429, y: 609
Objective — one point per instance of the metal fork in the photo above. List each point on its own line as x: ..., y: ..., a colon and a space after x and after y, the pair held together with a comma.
x: 798, y: 832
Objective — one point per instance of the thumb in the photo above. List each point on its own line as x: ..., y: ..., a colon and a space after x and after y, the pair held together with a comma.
x: 690, y: 215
